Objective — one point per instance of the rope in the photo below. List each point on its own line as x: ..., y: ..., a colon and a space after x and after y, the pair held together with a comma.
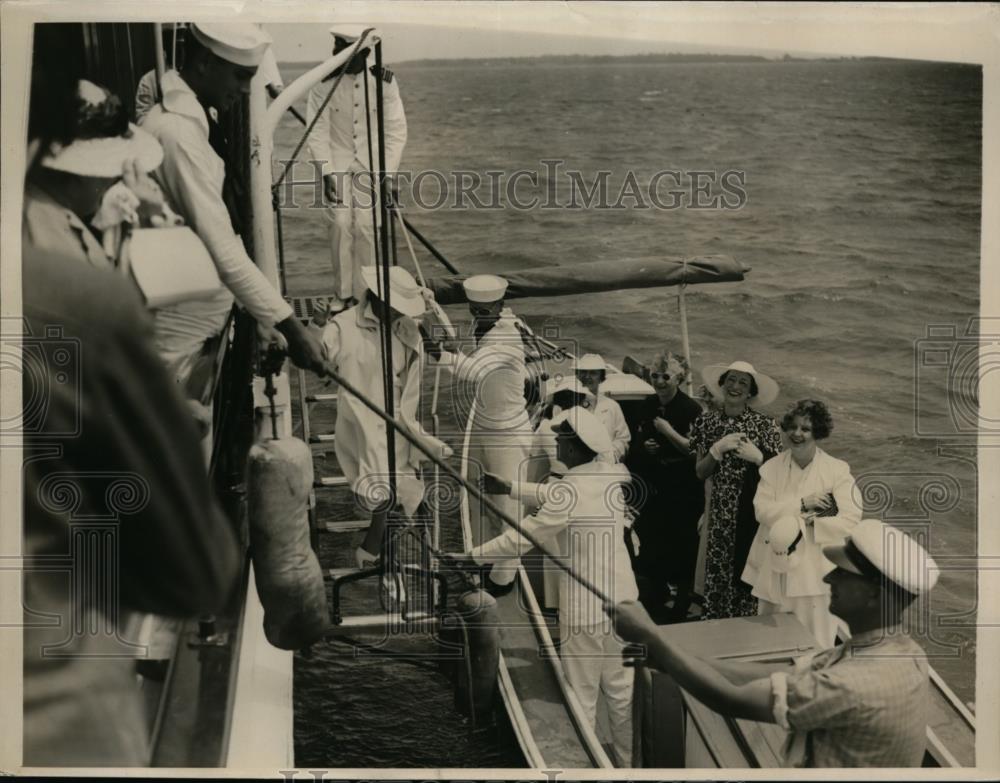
x: 433, y: 250
x: 326, y: 100
x: 469, y: 486
x: 385, y: 326
x: 409, y: 244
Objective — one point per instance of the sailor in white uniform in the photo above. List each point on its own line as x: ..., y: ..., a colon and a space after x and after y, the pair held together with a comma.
x: 339, y: 142
x: 496, y: 373
x: 585, y: 509
x: 591, y: 371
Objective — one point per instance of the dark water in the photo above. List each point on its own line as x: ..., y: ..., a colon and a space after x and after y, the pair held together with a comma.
x: 861, y: 225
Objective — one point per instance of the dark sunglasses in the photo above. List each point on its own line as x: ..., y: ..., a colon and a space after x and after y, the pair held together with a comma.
x: 657, y: 375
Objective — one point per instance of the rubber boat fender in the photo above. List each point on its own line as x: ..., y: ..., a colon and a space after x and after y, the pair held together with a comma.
x: 287, y: 573
x: 472, y: 629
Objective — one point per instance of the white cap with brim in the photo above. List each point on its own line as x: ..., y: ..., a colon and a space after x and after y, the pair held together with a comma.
x: 404, y: 294
x: 767, y: 387
x: 590, y: 361
x: 586, y: 426
x: 878, y: 550
x: 785, y: 542
x: 484, y: 288
x: 101, y: 155
x: 105, y: 157
x: 240, y: 43
x: 564, y: 383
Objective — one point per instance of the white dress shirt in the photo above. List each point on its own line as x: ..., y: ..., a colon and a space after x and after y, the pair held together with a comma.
x: 611, y: 416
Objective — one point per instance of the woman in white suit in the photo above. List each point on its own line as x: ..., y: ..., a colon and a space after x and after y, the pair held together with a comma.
x: 817, y: 492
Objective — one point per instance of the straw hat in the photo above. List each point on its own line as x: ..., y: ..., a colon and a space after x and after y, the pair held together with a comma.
x: 878, y: 550
x: 767, y: 387
x: 103, y: 139
x: 404, y: 293
x: 590, y: 361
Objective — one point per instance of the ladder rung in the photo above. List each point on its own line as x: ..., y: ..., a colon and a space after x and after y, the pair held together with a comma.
x: 329, y: 397
x: 329, y: 437
x: 379, y: 621
x: 347, y: 527
x: 336, y: 573
x: 331, y: 481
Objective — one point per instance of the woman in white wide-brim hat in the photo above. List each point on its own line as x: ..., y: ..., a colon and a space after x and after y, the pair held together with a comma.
x: 354, y: 342
x: 817, y: 492
x: 731, y: 444
x: 75, y: 188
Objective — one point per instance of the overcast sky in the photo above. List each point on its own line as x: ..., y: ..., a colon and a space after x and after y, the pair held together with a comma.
x: 312, y: 42
x: 512, y: 29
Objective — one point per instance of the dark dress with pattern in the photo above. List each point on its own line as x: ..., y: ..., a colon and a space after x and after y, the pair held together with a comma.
x: 670, y: 499
x: 731, y: 521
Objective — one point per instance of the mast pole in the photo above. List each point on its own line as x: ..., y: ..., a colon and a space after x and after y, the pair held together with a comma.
x: 261, y: 149
x: 161, y: 63
x: 685, y: 345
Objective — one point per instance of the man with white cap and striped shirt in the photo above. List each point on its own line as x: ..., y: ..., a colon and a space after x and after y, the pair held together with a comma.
x: 344, y: 141
x: 220, y: 61
x: 497, y: 372
x: 863, y: 703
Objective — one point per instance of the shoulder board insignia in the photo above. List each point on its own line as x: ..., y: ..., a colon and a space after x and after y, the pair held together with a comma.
x: 386, y: 73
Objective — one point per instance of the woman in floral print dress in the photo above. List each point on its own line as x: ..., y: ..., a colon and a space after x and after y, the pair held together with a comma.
x: 731, y: 444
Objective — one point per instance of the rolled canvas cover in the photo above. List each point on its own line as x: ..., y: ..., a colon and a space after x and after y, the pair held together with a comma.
x: 604, y: 275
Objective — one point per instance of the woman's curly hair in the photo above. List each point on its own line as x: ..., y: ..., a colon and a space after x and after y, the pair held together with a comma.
x: 100, y: 120
x: 817, y: 413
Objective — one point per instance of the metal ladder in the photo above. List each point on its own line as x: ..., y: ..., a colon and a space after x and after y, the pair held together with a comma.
x: 321, y: 444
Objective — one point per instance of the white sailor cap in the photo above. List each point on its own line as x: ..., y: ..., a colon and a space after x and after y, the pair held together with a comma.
x: 240, y: 43
x: 564, y: 383
x: 351, y: 32
x: 586, y: 426
x: 882, y: 551
x: 484, y: 288
x: 590, y: 361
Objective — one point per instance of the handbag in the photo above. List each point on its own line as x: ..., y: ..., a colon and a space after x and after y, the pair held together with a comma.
x: 169, y: 265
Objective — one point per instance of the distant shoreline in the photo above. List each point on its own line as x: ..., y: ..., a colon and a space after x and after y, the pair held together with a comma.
x: 580, y: 59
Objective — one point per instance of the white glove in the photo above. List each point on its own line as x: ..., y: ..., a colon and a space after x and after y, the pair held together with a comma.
x: 749, y: 452
x: 119, y: 205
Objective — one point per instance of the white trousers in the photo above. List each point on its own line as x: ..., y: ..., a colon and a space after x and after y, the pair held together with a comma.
x: 506, y: 455
x: 592, y: 661
x: 351, y: 237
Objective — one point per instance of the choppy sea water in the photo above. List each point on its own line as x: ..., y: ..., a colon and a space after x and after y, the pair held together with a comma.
x: 861, y: 225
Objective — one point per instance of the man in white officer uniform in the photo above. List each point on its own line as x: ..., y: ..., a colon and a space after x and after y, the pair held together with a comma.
x: 592, y: 526
x: 591, y: 371
x: 340, y: 140
x: 501, y: 436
